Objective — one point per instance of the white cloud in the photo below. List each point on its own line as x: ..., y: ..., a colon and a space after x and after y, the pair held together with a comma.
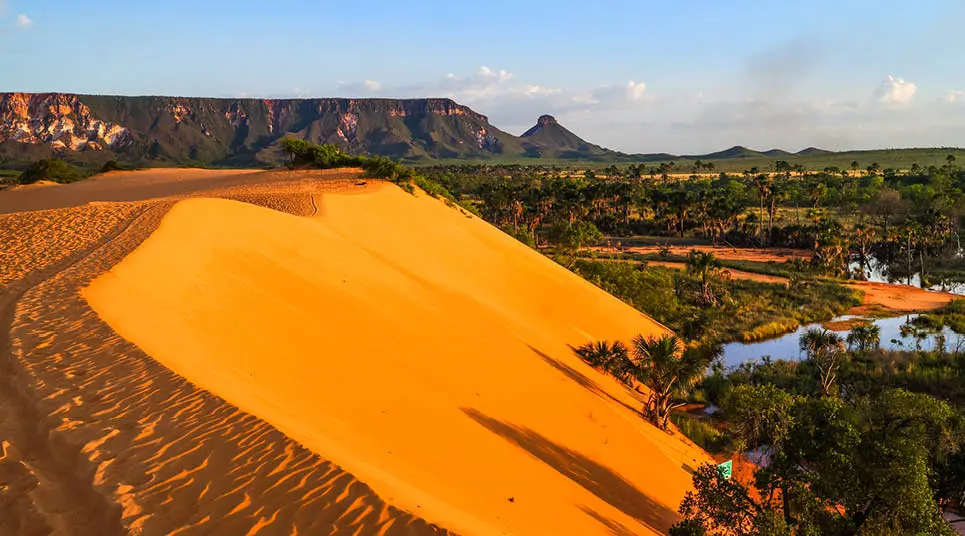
x: 631, y: 117
x: 636, y: 89
x: 616, y: 94
x: 531, y: 91
x: 485, y: 73
x: 957, y: 95
x: 509, y: 103
x: 896, y: 90
x: 24, y: 21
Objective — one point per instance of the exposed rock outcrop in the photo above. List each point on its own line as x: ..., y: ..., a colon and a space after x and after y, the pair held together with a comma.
x: 61, y: 121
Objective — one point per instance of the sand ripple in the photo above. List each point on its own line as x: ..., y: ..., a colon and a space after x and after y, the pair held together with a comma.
x: 98, y: 438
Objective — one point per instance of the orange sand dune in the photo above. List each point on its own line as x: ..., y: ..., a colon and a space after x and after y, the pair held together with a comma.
x: 419, y: 348
x: 152, y: 184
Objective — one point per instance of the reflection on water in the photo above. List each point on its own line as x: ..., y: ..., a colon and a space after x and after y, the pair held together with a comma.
x: 787, y: 347
x: 877, y: 272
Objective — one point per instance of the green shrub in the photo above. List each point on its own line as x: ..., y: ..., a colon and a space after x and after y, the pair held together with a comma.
x: 113, y: 165
x: 701, y: 432
x: 304, y: 153
x: 576, y: 235
x: 52, y: 169
x: 524, y: 235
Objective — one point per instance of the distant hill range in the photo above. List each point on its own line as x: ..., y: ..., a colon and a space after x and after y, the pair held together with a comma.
x: 247, y: 131
x: 243, y: 132
x: 743, y: 152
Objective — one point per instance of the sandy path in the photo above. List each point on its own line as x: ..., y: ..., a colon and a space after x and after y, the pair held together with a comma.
x: 730, y: 273
x: 882, y: 297
x: 779, y: 255
x: 98, y: 438
x: 879, y: 298
x: 29, y: 457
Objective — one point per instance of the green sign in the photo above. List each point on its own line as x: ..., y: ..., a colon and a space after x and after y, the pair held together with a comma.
x: 726, y: 469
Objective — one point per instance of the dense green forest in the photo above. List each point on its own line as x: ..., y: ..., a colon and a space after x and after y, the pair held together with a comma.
x: 850, y: 440
x: 909, y: 221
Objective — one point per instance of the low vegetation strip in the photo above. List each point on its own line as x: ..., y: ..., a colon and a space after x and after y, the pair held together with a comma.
x: 739, y: 311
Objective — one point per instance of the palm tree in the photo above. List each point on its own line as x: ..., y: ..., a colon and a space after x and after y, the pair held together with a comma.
x: 764, y: 185
x: 704, y: 266
x: 863, y: 237
x: 826, y: 351
x: 662, y: 365
x: 864, y: 337
x: 609, y: 357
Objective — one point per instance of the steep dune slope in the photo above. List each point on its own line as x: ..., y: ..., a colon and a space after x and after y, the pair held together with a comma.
x: 419, y: 348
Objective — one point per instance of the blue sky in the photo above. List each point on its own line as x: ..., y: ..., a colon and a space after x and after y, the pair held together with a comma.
x: 641, y: 76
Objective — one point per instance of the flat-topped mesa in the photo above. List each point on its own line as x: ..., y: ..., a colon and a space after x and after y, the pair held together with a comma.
x: 239, y: 131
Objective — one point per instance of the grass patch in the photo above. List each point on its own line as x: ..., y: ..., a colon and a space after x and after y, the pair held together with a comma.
x: 779, y: 269
x: 702, y: 432
x: 951, y: 315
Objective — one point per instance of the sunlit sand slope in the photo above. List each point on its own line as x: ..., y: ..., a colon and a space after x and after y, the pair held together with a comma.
x: 417, y: 347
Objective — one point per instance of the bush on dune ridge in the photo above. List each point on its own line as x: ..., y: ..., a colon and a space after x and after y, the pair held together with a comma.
x: 304, y: 153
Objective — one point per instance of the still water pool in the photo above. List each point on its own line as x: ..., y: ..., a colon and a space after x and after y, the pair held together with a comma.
x: 788, y: 346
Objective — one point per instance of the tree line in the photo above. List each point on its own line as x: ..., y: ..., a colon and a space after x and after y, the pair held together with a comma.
x: 901, y: 218
x: 835, y: 453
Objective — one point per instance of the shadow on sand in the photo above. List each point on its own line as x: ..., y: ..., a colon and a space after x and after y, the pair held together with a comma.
x: 615, y: 527
x: 595, y: 478
x: 582, y: 379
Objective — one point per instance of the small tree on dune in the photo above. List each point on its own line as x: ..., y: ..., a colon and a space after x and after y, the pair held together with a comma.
x: 668, y: 371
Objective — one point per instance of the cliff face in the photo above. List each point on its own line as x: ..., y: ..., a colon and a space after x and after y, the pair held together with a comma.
x: 62, y: 122
x: 240, y: 131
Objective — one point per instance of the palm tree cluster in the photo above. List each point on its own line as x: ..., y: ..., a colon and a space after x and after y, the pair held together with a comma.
x: 903, y: 219
x: 864, y: 337
x: 659, y: 363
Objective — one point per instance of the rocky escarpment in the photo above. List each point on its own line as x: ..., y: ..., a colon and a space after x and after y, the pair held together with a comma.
x: 239, y: 131
x: 59, y: 121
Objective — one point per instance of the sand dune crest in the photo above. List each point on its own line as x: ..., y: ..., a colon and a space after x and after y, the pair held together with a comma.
x: 422, y: 350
